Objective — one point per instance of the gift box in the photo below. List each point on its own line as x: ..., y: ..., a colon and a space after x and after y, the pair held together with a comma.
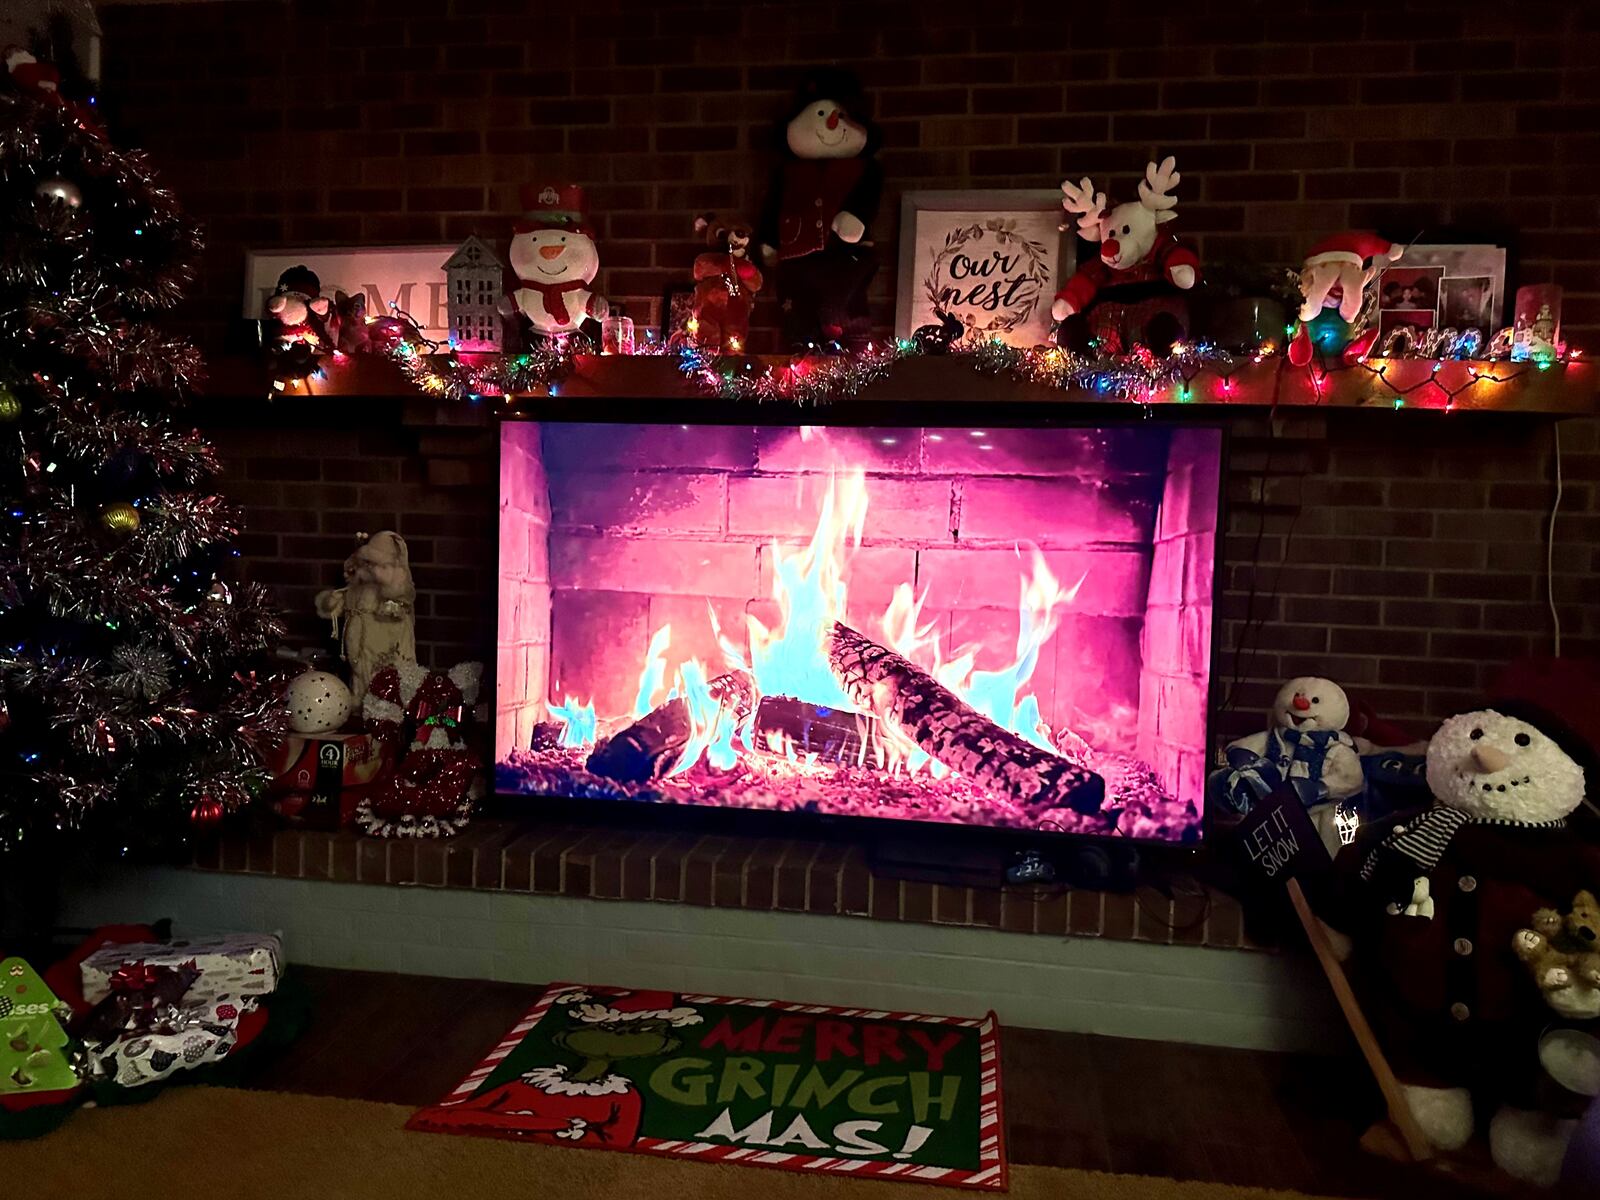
x: 240, y: 965
x: 200, y: 1033
x: 318, y: 779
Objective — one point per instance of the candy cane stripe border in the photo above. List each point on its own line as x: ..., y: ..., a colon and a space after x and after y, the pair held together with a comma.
x: 990, y: 1176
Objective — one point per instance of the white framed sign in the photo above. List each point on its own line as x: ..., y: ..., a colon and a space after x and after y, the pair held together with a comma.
x: 411, y: 277
x: 992, y: 259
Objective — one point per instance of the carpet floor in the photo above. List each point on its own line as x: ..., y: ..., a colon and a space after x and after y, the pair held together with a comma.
x: 274, y: 1146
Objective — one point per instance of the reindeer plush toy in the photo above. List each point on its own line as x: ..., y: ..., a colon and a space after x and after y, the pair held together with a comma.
x: 1131, y: 293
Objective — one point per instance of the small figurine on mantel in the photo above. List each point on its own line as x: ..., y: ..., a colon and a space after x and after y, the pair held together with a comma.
x: 1338, y: 313
x: 555, y: 260
x: 374, y: 614
x: 474, y: 285
x: 725, y: 284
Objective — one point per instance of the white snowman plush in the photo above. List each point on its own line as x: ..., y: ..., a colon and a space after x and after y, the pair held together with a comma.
x: 555, y: 259
x: 1444, y: 893
x: 1305, y: 743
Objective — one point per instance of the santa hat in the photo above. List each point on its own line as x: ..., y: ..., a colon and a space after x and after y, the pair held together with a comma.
x: 31, y: 76
x: 1355, y: 247
x: 553, y: 206
x: 635, y: 1006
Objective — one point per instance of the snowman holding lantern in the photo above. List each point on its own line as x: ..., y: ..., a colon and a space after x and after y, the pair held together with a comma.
x: 555, y: 260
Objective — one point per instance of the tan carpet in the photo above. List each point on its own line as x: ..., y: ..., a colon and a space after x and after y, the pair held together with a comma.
x: 243, y: 1145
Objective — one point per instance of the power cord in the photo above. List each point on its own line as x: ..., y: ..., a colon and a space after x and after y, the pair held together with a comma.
x: 1550, y: 543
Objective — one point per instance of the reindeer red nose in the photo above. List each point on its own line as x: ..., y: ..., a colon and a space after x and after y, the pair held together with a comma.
x: 1301, y: 703
x: 1109, y: 249
x: 834, y: 118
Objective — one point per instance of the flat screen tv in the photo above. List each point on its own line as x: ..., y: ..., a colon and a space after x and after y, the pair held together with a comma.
x: 994, y: 627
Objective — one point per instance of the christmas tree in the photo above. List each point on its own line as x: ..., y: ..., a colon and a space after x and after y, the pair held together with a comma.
x: 130, y: 705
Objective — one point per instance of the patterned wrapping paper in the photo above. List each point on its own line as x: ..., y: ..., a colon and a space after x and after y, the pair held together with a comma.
x: 239, y: 965
x: 201, y: 1034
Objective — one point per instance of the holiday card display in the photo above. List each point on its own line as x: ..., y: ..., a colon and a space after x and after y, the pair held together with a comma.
x: 820, y: 204
x: 990, y: 261
x: 799, y: 1087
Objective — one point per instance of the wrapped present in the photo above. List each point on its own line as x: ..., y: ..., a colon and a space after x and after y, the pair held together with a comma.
x: 239, y: 964
x: 318, y: 779
x: 195, y: 1034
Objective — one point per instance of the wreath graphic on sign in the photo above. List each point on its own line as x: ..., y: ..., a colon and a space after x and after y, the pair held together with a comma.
x: 1022, y: 292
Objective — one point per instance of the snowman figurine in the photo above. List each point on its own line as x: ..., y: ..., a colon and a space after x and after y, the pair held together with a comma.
x: 555, y: 260
x: 1443, y: 894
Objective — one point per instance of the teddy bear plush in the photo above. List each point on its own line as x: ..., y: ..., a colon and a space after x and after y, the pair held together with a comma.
x: 1563, y: 954
x: 822, y: 199
x: 1306, y: 746
x: 374, y: 614
x: 1437, y: 899
x: 725, y: 285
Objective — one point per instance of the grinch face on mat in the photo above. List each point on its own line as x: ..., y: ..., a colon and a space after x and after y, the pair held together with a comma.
x: 617, y: 1040
x: 1496, y: 766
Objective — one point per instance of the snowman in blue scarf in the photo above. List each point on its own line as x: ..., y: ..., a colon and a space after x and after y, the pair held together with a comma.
x: 1305, y: 746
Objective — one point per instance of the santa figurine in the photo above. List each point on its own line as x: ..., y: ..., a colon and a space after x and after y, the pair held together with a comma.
x: 555, y: 260
x: 582, y: 1103
x: 1334, y: 276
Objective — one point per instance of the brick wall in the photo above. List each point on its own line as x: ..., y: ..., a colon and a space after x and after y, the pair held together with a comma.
x: 1401, y: 553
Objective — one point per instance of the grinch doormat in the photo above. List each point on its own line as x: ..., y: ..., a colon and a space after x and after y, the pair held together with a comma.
x: 759, y: 1082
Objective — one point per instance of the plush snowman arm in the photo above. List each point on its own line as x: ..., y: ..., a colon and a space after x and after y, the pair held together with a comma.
x: 849, y: 227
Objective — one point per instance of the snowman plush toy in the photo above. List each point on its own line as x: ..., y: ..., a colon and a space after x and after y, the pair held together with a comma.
x: 555, y: 260
x: 814, y: 226
x: 1438, y: 899
x: 1304, y: 745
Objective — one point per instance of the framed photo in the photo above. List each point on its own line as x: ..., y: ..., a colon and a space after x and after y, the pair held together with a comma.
x: 1461, y: 287
x: 993, y: 259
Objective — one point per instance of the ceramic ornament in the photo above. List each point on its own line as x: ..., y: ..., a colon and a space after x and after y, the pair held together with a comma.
x: 318, y: 703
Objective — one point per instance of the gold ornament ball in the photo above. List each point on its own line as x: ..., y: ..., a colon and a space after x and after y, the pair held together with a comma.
x: 120, y: 517
x: 10, y: 406
x: 59, y: 191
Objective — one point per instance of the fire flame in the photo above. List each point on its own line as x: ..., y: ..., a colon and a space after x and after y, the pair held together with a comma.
x: 811, y: 586
x: 578, y: 724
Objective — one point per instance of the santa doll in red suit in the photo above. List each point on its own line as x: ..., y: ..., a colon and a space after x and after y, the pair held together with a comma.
x: 1435, y: 917
x: 1133, y: 292
x: 726, y: 283
x: 555, y: 260
x: 586, y: 1103
x: 813, y: 230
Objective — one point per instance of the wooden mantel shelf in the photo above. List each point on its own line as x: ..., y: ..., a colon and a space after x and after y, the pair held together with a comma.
x: 1566, y: 389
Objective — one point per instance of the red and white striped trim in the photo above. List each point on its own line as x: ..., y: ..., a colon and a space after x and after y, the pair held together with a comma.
x: 991, y: 1175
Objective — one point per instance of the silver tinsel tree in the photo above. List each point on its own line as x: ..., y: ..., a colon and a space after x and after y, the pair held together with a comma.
x: 130, y: 704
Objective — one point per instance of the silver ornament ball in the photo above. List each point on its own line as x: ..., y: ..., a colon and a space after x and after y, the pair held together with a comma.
x: 59, y: 191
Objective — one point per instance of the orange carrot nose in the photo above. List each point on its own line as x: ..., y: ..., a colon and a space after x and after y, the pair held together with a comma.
x: 834, y: 118
x: 551, y: 251
x: 1302, y: 703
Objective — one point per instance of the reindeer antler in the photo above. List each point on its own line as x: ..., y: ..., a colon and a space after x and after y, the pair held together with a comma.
x: 1086, y: 203
x: 1155, y: 193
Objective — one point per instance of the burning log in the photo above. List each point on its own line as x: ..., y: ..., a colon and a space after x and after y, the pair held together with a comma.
x: 832, y: 734
x: 954, y: 732
x: 652, y: 745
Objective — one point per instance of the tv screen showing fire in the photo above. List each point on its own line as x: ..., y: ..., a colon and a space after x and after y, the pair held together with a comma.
x: 973, y: 626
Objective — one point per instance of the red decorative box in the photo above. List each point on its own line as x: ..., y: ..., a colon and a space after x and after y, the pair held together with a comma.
x: 318, y: 779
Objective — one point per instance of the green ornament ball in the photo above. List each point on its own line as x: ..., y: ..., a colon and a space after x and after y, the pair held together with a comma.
x: 10, y: 406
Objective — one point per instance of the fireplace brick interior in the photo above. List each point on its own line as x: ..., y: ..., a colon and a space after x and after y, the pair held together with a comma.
x: 610, y: 532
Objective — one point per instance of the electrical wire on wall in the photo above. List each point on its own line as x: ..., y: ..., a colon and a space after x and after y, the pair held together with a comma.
x: 1550, y: 545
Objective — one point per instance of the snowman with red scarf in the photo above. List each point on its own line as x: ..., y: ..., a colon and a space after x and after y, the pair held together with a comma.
x: 554, y: 256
